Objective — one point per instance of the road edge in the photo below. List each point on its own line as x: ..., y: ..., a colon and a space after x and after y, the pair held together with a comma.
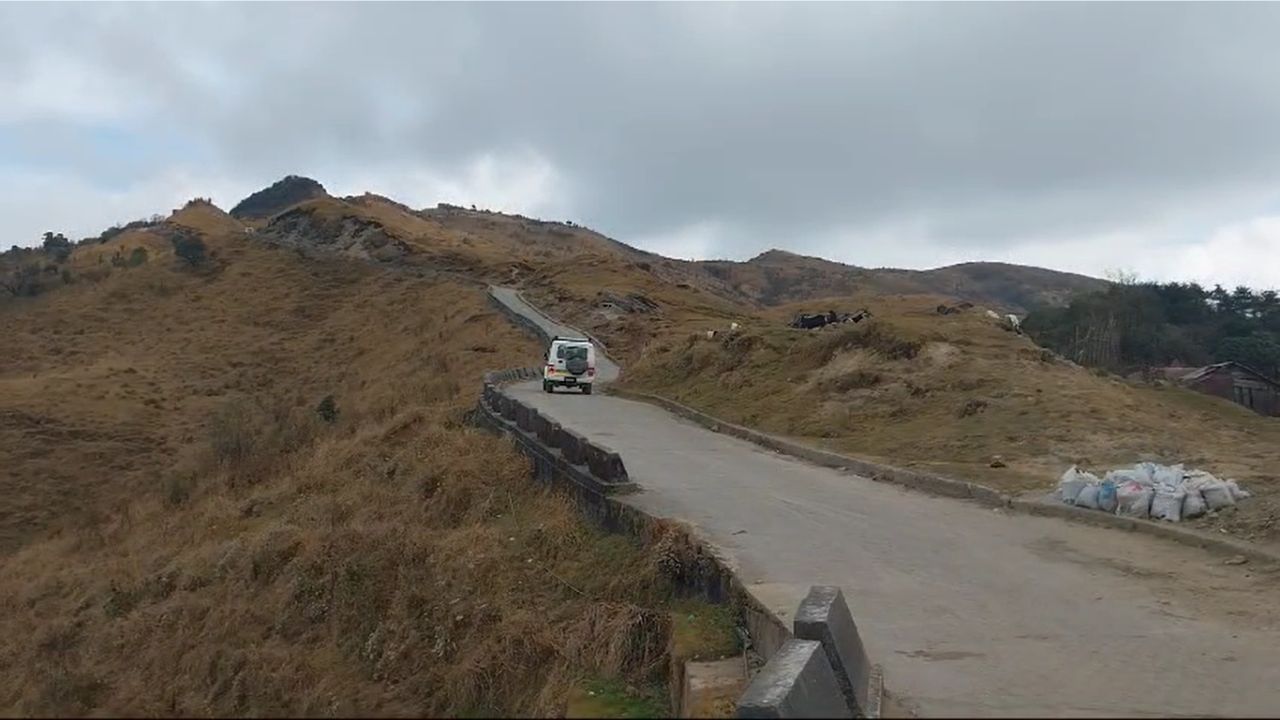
x: 767, y: 628
x: 950, y: 487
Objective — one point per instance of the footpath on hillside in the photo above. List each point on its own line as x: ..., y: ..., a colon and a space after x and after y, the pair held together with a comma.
x: 971, y: 611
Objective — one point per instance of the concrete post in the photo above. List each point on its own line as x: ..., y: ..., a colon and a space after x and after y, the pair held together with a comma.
x: 824, y: 617
x: 797, y: 682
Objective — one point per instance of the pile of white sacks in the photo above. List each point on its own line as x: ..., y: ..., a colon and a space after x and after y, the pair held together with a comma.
x: 1148, y: 490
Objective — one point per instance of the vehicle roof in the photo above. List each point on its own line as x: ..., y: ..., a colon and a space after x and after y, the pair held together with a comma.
x: 558, y: 339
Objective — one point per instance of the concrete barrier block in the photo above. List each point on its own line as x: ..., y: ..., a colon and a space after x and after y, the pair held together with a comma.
x: 797, y: 682
x: 538, y: 425
x: 549, y: 432
x: 824, y: 617
x: 522, y: 415
x: 606, y: 464
x: 571, y: 446
x: 615, y: 471
x: 506, y: 407
x: 595, y: 459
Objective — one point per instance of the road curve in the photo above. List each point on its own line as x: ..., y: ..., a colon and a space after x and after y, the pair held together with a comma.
x: 971, y: 611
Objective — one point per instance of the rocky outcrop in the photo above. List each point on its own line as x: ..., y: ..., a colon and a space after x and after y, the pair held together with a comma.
x: 350, y: 236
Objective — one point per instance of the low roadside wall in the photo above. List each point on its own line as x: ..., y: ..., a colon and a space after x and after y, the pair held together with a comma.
x: 596, y: 477
x: 833, y: 679
x: 950, y: 487
x: 523, y: 322
x: 557, y: 449
x: 536, y: 330
x: 927, y: 482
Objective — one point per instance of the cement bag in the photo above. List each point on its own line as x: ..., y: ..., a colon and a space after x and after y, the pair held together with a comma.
x: 1088, y: 497
x: 1120, y: 477
x: 1170, y: 476
x: 1107, y: 496
x: 1217, y: 495
x: 1133, y: 499
x: 1071, y: 483
x: 1166, y: 504
x: 1145, y: 473
x: 1237, y: 492
x: 1193, y: 504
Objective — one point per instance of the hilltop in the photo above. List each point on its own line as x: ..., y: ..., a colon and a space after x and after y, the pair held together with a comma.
x: 283, y: 194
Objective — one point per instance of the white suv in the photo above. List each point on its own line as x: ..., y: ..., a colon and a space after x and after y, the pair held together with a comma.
x: 571, y: 362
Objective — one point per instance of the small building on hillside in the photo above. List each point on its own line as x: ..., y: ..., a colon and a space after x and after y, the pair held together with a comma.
x: 1239, y: 383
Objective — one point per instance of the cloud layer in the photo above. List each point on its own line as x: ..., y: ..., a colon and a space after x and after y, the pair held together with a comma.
x: 1079, y: 136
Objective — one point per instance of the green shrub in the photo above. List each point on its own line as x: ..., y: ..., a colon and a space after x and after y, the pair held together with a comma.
x: 57, y: 246
x: 328, y: 409
x: 190, y: 248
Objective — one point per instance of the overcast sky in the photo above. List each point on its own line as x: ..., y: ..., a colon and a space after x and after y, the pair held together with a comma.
x: 1083, y: 137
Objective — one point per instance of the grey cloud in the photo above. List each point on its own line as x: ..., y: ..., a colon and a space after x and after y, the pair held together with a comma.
x: 980, y: 125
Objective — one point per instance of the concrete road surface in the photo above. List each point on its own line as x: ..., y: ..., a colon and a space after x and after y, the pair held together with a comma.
x: 971, y: 611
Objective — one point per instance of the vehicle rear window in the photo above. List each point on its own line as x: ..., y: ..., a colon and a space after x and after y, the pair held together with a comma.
x: 570, y: 352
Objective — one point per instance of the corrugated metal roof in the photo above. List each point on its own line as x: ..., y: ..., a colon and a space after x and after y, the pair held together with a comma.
x: 1204, y: 372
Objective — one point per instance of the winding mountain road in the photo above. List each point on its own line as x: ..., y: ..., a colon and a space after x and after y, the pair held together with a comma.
x: 971, y: 611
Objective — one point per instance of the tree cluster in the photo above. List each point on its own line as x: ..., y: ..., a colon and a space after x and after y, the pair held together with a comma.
x: 1134, y: 325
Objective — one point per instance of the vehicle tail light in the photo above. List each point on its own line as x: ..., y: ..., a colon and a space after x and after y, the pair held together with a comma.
x: 591, y: 372
x: 551, y: 367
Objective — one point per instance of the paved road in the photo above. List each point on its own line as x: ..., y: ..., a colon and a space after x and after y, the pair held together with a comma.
x: 971, y: 611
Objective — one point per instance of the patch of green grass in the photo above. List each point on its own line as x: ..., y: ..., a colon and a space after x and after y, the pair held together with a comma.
x: 701, y: 631
x: 611, y: 698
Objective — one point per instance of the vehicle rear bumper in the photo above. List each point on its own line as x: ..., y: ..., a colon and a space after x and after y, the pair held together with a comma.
x: 567, y: 382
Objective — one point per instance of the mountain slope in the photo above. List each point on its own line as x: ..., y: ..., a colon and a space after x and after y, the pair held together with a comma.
x: 778, y: 277
x: 248, y: 487
x: 509, y: 245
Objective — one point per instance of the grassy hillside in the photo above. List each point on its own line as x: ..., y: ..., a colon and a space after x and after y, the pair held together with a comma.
x: 949, y: 393
x: 190, y: 529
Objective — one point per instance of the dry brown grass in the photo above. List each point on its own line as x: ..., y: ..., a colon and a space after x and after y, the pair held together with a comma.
x: 405, y: 567
x: 183, y: 534
x: 910, y: 388
x: 120, y: 377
